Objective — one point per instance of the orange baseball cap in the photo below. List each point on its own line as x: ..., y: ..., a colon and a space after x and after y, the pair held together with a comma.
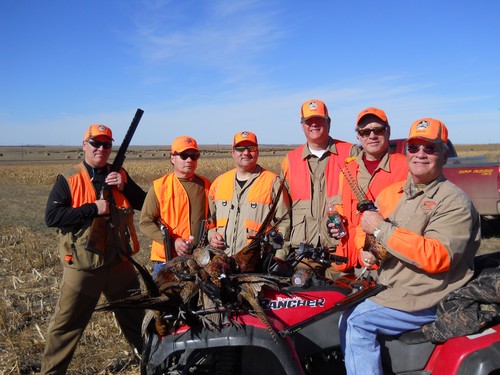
x: 429, y: 129
x: 183, y: 143
x: 245, y: 136
x: 372, y: 111
x: 96, y: 130
x: 314, y: 107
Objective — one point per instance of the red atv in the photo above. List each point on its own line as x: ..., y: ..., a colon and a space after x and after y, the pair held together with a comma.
x: 305, y: 338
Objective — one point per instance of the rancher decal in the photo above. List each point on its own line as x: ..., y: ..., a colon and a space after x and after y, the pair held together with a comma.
x: 291, y: 303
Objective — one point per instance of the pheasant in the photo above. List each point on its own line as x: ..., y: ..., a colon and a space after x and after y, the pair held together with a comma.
x: 375, y: 247
x: 209, y: 287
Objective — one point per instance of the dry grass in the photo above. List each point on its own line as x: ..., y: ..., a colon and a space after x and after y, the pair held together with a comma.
x: 29, y: 266
x: 30, y: 270
x: 30, y: 273
x: 491, y: 152
x: 35, y: 167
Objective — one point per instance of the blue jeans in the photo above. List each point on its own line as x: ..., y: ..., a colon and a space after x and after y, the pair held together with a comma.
x: 360, y: 326
x: 158, y: 266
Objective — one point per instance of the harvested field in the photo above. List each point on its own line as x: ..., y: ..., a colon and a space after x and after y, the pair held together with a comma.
x: 30, y: 269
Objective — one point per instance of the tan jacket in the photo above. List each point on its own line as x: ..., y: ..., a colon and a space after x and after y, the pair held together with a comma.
x: 432, y: 236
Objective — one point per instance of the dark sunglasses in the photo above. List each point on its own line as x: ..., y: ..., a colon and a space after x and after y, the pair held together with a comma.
x: 98, y: 144
x: 428, y: 149
x: 365, y: 132
x: 242, y: 149
x: 185, y: 156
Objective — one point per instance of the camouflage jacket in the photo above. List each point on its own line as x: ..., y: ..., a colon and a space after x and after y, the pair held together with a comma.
x: 467, y: 310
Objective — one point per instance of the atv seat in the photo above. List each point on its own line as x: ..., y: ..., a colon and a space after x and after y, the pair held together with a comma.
x: 408, y: 352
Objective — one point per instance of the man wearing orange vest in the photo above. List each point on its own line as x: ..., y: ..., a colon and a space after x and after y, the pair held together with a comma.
x: 240, y: 199
x: 373, y: 169
x: 72, y: 205
x: 178, y: 200
x: 312, y: 173
x: 431, y: 233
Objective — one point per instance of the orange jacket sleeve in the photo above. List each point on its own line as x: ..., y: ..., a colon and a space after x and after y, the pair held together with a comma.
x: 429, y: 254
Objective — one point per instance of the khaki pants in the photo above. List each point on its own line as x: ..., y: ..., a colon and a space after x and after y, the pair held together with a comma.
x: 79, y: 294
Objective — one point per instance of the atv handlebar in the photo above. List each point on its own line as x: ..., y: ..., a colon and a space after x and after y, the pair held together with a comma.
x: 319, y: 254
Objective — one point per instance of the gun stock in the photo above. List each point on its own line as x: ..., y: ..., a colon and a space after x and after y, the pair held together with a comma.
x: 166, y: 241
x: 202, y: 235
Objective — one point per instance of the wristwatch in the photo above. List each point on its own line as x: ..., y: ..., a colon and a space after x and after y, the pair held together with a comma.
x: 376, y: 232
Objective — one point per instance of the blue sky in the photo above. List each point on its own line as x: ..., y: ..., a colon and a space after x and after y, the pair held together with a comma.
x: 211, y: 68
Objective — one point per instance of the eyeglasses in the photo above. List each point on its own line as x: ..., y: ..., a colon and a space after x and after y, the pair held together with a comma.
x: 428, y: 149
x: 185, y: 156
x: 242, y: 149
x: 365, y: 132
x: 315, y: 120
x: 98, y: 144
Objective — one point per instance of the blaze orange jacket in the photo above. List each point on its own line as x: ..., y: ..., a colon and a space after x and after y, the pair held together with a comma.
x: 174, y: 210
x: 392, y: 168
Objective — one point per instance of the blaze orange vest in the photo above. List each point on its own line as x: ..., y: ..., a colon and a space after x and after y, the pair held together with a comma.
x: 300, y: 185
x: 82, y: 189
x: 174, y: 210
x: 72, y: 246
x: 259, y: 193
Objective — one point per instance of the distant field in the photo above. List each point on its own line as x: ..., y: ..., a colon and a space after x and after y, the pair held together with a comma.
x: 53, y: 153
x: 29, y: 266
x: 39, y: 164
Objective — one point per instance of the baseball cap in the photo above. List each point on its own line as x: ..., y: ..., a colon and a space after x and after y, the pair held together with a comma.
x: 430, y: 130
x: 183, y: 143
x: 372, y: 111
x: 96, y: 130
x: 313, y: 107
x: 245, y: 136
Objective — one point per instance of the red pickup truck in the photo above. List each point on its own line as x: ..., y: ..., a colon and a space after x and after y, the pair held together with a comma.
x: 474, y: 175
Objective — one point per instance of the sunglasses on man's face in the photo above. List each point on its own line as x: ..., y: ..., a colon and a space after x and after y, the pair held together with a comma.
x: 242, y: 149
x: 98, y: 144
x: 185, y: 156
x: 365, y: 132
x: 428, y: 149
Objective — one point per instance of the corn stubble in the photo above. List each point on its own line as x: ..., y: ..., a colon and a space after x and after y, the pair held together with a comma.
x: 30, y: 270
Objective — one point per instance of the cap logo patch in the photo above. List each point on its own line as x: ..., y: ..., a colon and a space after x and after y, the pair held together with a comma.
x: 422, y: 125
x: 244, y: 134
x: 189, y: 140
x: 313, y: 106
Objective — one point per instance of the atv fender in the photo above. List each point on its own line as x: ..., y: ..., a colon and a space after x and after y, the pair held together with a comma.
x: 482, y: 362
x: 279, y: 357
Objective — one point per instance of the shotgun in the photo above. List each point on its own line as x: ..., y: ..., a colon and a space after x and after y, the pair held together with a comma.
x: 97, y: 241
